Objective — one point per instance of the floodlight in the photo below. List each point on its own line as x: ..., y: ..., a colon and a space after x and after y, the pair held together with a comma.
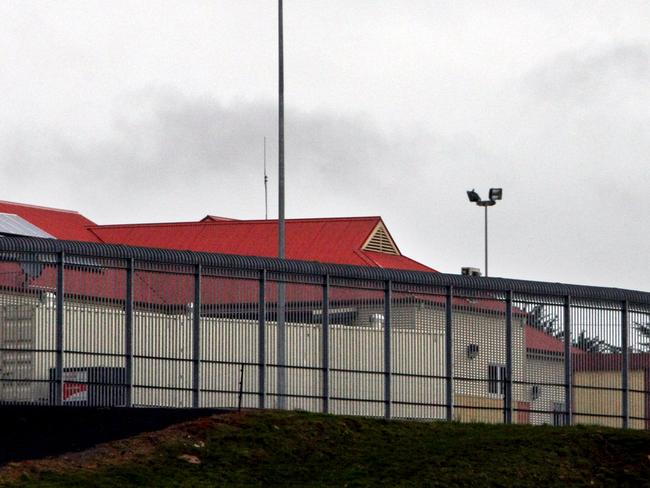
x: 496, y: 194
x: 473, y: 196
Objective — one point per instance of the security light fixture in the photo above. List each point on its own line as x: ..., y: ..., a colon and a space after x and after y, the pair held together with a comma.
x: 473, y: 196
x: 495, y: 195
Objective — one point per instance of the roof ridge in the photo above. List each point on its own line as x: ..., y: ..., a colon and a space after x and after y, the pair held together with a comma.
x: 146, y: 224
x: 40, y: 207
x: 369, y: 255
x: 233, y: 222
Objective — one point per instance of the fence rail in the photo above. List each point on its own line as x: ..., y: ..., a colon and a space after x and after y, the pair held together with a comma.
x: 95, y: 324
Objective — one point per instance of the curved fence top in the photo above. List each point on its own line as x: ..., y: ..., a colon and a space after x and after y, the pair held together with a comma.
x: 169, y: 256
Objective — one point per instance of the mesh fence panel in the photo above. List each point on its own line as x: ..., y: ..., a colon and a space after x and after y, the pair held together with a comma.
x: 28, y: 329
x: 597, y: 363
x: 162, y: 336
x: 357, y: 339
x: 541, y: 393
x: 133, y: 332
x: 229, y: 323
x: 479, y: 328
x: 639, y: 367
x: 94, y: 341
x: 418, y: 363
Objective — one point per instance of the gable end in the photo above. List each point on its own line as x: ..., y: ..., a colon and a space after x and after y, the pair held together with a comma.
x: 380, y: 241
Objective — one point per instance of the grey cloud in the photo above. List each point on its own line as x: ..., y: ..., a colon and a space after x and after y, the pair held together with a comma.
x: 161, y: 143
x: 585, y: 74
x: 173, y: 157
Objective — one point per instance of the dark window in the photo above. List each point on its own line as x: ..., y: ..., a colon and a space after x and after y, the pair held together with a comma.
x: 496, y: 378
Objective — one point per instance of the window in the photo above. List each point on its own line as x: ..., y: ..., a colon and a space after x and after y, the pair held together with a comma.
x: 496, y: 378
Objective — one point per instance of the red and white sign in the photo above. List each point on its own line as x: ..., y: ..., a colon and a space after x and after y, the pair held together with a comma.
x: 75, y: 386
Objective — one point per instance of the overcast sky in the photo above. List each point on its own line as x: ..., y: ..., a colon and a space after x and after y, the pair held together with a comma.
x: 139, y: 111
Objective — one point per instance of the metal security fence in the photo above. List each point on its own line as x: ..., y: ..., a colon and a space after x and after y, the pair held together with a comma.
x: 103, y: 325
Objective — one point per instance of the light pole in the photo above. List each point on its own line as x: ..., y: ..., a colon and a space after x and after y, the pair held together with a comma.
x: 281, y: 335
x: 495, y: 194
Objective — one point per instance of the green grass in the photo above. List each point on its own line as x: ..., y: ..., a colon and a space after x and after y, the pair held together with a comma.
x: 299, y: 449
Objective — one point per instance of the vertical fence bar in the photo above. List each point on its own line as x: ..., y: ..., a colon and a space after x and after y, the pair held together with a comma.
x: 60, y: 290
x: 625, y: 350
x: 240, y: 398
x: 449, y: 352
x: 326, y: 344
x: 281, y: 346
x: 568, y: 363
x: 507, y: 403
x: 196, y: 340
x: 387, y: 349
x: 261, y: 342
x: 128, y: 334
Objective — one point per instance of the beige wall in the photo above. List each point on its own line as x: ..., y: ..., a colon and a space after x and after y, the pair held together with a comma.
x: 225, y: 340
x: 606, y: 402
x: 540, y: 369
x: 482, y: 409
x: 487, y: 330
x: 417, y: 348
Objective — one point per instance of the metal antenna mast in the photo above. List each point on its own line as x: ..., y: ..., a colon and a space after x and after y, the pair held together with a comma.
x: 266, y: 186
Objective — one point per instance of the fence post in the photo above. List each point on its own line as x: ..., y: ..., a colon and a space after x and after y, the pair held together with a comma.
x: 387, y: 349
x: 568, y: 362
x: 626, y: 363
x: 196, y: 340
x: 240, y: 397
x: 261, y: 342
x: 326, y: 344
x: 449, y: 352
x: 60, y: 290
x: 281, y: 345
x: 507, y: 404
x: 128, y: 333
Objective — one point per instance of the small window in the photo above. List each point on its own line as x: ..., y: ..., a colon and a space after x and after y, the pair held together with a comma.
x: 496, y: 379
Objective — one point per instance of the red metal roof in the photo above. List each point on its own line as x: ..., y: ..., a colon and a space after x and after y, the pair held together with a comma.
x: 537, y: 340
x: 62, y: 224
x: 333, y: 240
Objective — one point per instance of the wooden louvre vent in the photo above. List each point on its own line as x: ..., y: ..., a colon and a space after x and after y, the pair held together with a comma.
x: 380, y: 241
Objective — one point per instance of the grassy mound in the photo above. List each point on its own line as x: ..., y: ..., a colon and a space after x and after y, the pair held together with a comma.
x: 300, y: 449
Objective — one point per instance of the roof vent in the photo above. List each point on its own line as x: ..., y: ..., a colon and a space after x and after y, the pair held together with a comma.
x: 380, y: 241
x: 468, y: 271
x: 13, y: 225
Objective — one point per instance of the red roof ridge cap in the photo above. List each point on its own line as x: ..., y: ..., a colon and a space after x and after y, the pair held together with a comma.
x: 368, y: 254
x: 304, y: 219
x: 219, y: 218
x: 146, y: 224
x: 232, y: 222
x: 366, y: 258
x: 40, y: 207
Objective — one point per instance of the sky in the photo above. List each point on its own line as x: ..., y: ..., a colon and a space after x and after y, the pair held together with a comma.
x: 143, y: 111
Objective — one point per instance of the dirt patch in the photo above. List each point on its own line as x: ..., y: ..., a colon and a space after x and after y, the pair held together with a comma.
x: 123, y: 451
